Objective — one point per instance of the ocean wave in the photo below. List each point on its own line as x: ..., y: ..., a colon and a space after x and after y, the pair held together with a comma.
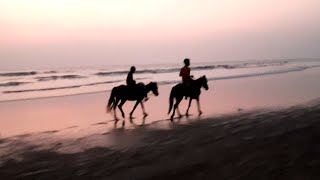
x: 248, y: 75
x: 197, y: 68
x: 50, y: 72
x: 150, y: 71
x: 19, y: 73
x: 60, y: 88
x: 293, y: 69
x: 12, y: 84
x: 49, y: 78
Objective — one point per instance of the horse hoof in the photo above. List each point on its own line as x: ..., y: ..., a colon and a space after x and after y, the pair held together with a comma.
x: 200, y: 113
x: 145, y: 115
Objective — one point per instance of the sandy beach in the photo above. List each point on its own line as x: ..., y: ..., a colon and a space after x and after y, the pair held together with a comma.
x: 254, y: 128
x: 282, y: 144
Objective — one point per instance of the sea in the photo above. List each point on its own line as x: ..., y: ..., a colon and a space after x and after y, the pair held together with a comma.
x: 21, y: 85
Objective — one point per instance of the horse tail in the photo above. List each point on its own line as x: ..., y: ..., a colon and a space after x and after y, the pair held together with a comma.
x: 171, y: 100
x: 111, y: 101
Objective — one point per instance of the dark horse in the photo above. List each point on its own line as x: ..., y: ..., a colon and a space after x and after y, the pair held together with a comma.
x: 124, y: 93
x: 193, y: 92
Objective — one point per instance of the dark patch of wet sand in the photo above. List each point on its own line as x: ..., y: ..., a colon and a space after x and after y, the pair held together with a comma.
x: 268, y: 144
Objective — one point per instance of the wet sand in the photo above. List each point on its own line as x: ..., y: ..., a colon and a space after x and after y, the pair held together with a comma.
x: 82, y: 112
x: 264, y: 144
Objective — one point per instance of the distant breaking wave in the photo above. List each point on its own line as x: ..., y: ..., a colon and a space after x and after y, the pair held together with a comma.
x: 50, y: 72
x: 264, y: 73
x: 196, y: 68
x: 59, y: 88
x: 12, y: 84
x: 160, y: 71
x: 18, y: 74
x: 49, y: 78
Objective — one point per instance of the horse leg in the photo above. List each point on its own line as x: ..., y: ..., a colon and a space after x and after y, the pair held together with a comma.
x: 134, y: 108
x: 190, y: 100
x: 115, y: 109
x: 178, y: 111
x: 120, y: 107
x: 198, y: 104
x: 178, y: 100
x: 143, y: 110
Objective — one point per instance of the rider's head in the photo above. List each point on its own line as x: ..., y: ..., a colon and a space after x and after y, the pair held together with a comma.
x: 186, y: 62
x: 133, y: 69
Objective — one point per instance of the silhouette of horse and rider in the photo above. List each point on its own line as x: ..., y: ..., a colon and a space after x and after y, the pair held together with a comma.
x: 139, y: 91
x: 131, y: 92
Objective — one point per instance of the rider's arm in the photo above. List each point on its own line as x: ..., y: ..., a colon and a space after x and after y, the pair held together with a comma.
x: 188, y: 73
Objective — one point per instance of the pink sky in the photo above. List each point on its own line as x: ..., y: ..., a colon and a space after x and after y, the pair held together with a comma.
x: 46, y: 33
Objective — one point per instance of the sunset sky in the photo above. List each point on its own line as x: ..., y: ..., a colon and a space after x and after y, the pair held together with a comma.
x: 66, y: 33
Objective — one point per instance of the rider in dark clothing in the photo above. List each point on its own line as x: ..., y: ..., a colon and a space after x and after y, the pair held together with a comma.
x: 130, y: 81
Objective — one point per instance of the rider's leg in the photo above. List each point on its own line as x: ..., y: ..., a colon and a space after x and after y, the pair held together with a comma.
x: 187, y: 90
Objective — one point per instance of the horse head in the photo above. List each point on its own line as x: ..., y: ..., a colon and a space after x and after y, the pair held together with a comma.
x: 152, y: 86
x: 204, y: 82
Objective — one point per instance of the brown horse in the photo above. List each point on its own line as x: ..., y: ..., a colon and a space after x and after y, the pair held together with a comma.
x: 124, y: 93
x: 193, y: 92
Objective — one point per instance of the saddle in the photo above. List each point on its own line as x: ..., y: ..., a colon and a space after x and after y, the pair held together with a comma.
x: 186, y: 89
x: 134, y: 89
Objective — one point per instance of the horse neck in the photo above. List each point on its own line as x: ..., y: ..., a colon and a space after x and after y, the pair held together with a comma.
x: 198, y: 83
x: 148, y: 88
